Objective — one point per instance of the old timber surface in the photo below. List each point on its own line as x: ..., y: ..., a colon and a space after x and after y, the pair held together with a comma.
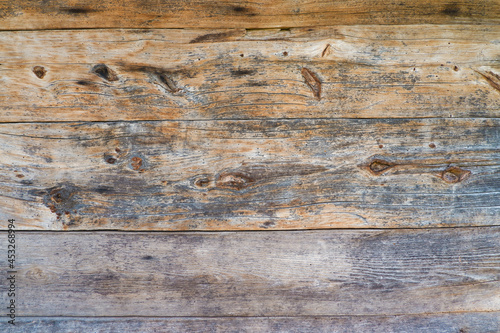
x: 282, y: 166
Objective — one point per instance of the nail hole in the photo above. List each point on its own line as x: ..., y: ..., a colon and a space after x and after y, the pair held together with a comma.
x: 285, y: 53
x: 432, y: 145
x: 110, y: 159
x: 39, y: 71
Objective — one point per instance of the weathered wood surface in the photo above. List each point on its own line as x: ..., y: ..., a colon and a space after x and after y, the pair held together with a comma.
x: 229, y: 175
x: 269, y: 273
x: 441, y: 323
x: 25, y: 14
x: 334, y: 72
x: 224, y: 116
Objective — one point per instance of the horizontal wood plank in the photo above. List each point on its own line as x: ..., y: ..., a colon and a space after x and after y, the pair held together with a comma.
x: 295, y: 273
x: 235, y: 175
x: 440, y: 323
x: 335, y: 72
x: 25, y: 14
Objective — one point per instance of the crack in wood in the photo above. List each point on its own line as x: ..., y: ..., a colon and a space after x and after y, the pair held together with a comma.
x: 313, y: 82
x: 327, y: 51
x: 493, y: 79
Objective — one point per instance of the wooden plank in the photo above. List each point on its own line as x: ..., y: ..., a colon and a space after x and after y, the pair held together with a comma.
x: 236, y: 175
x: 440, y: 323
x: 25, y: 14
x: 335, y: 72
x: 295, y: 273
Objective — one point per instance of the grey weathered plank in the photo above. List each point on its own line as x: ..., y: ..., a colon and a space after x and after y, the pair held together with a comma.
x: 25, y: 14
x: 271, y: 273
x: 230, y: 175
x: 438, y: 323
x: 360, y: 72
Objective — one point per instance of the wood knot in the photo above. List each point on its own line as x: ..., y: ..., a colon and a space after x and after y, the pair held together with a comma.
x: 378, y: 166
x: 136, y: 163
x: 39, y: 71
x: 201, y: 181
x: 61, y: 199
x: 59, y: 195
x: 35, y: 274
x: 105, y: 72
x: 234, y: 180
x: 454, y: 175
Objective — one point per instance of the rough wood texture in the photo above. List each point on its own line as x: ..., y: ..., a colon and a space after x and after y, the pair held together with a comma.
x: 294, y: 273
x: 335, y: 72
x: 442, y: 323
x: 229, y: 175
x: 236, y: 116
x: 25, y: 14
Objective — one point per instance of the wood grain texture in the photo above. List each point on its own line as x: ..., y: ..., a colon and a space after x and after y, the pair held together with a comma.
x: 230, y: 175
x: 25, y: 14
x: 441, y: 323
x: 294, y: 273
x: 334, y: 72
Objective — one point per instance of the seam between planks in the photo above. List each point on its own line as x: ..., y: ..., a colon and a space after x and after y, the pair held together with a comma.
x: 240, y: 119
x: 118, y: 231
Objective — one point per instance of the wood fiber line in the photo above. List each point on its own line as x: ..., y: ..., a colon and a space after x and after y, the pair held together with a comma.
x: 64, y: 14
x: 335, y: 72
x: 251, y: 175
x: 295, y: 273
x: 437, y: 323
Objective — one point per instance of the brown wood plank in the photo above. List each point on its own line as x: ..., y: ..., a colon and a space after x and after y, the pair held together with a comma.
x: 230, y: 175
x: 295, y: 273
x: 25, y: 14
x: 336, y: 72
x: 439, y: 323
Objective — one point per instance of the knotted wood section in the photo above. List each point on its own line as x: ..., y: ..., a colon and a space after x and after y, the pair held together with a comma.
x: 330, y: 72
x: 247, y: 175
